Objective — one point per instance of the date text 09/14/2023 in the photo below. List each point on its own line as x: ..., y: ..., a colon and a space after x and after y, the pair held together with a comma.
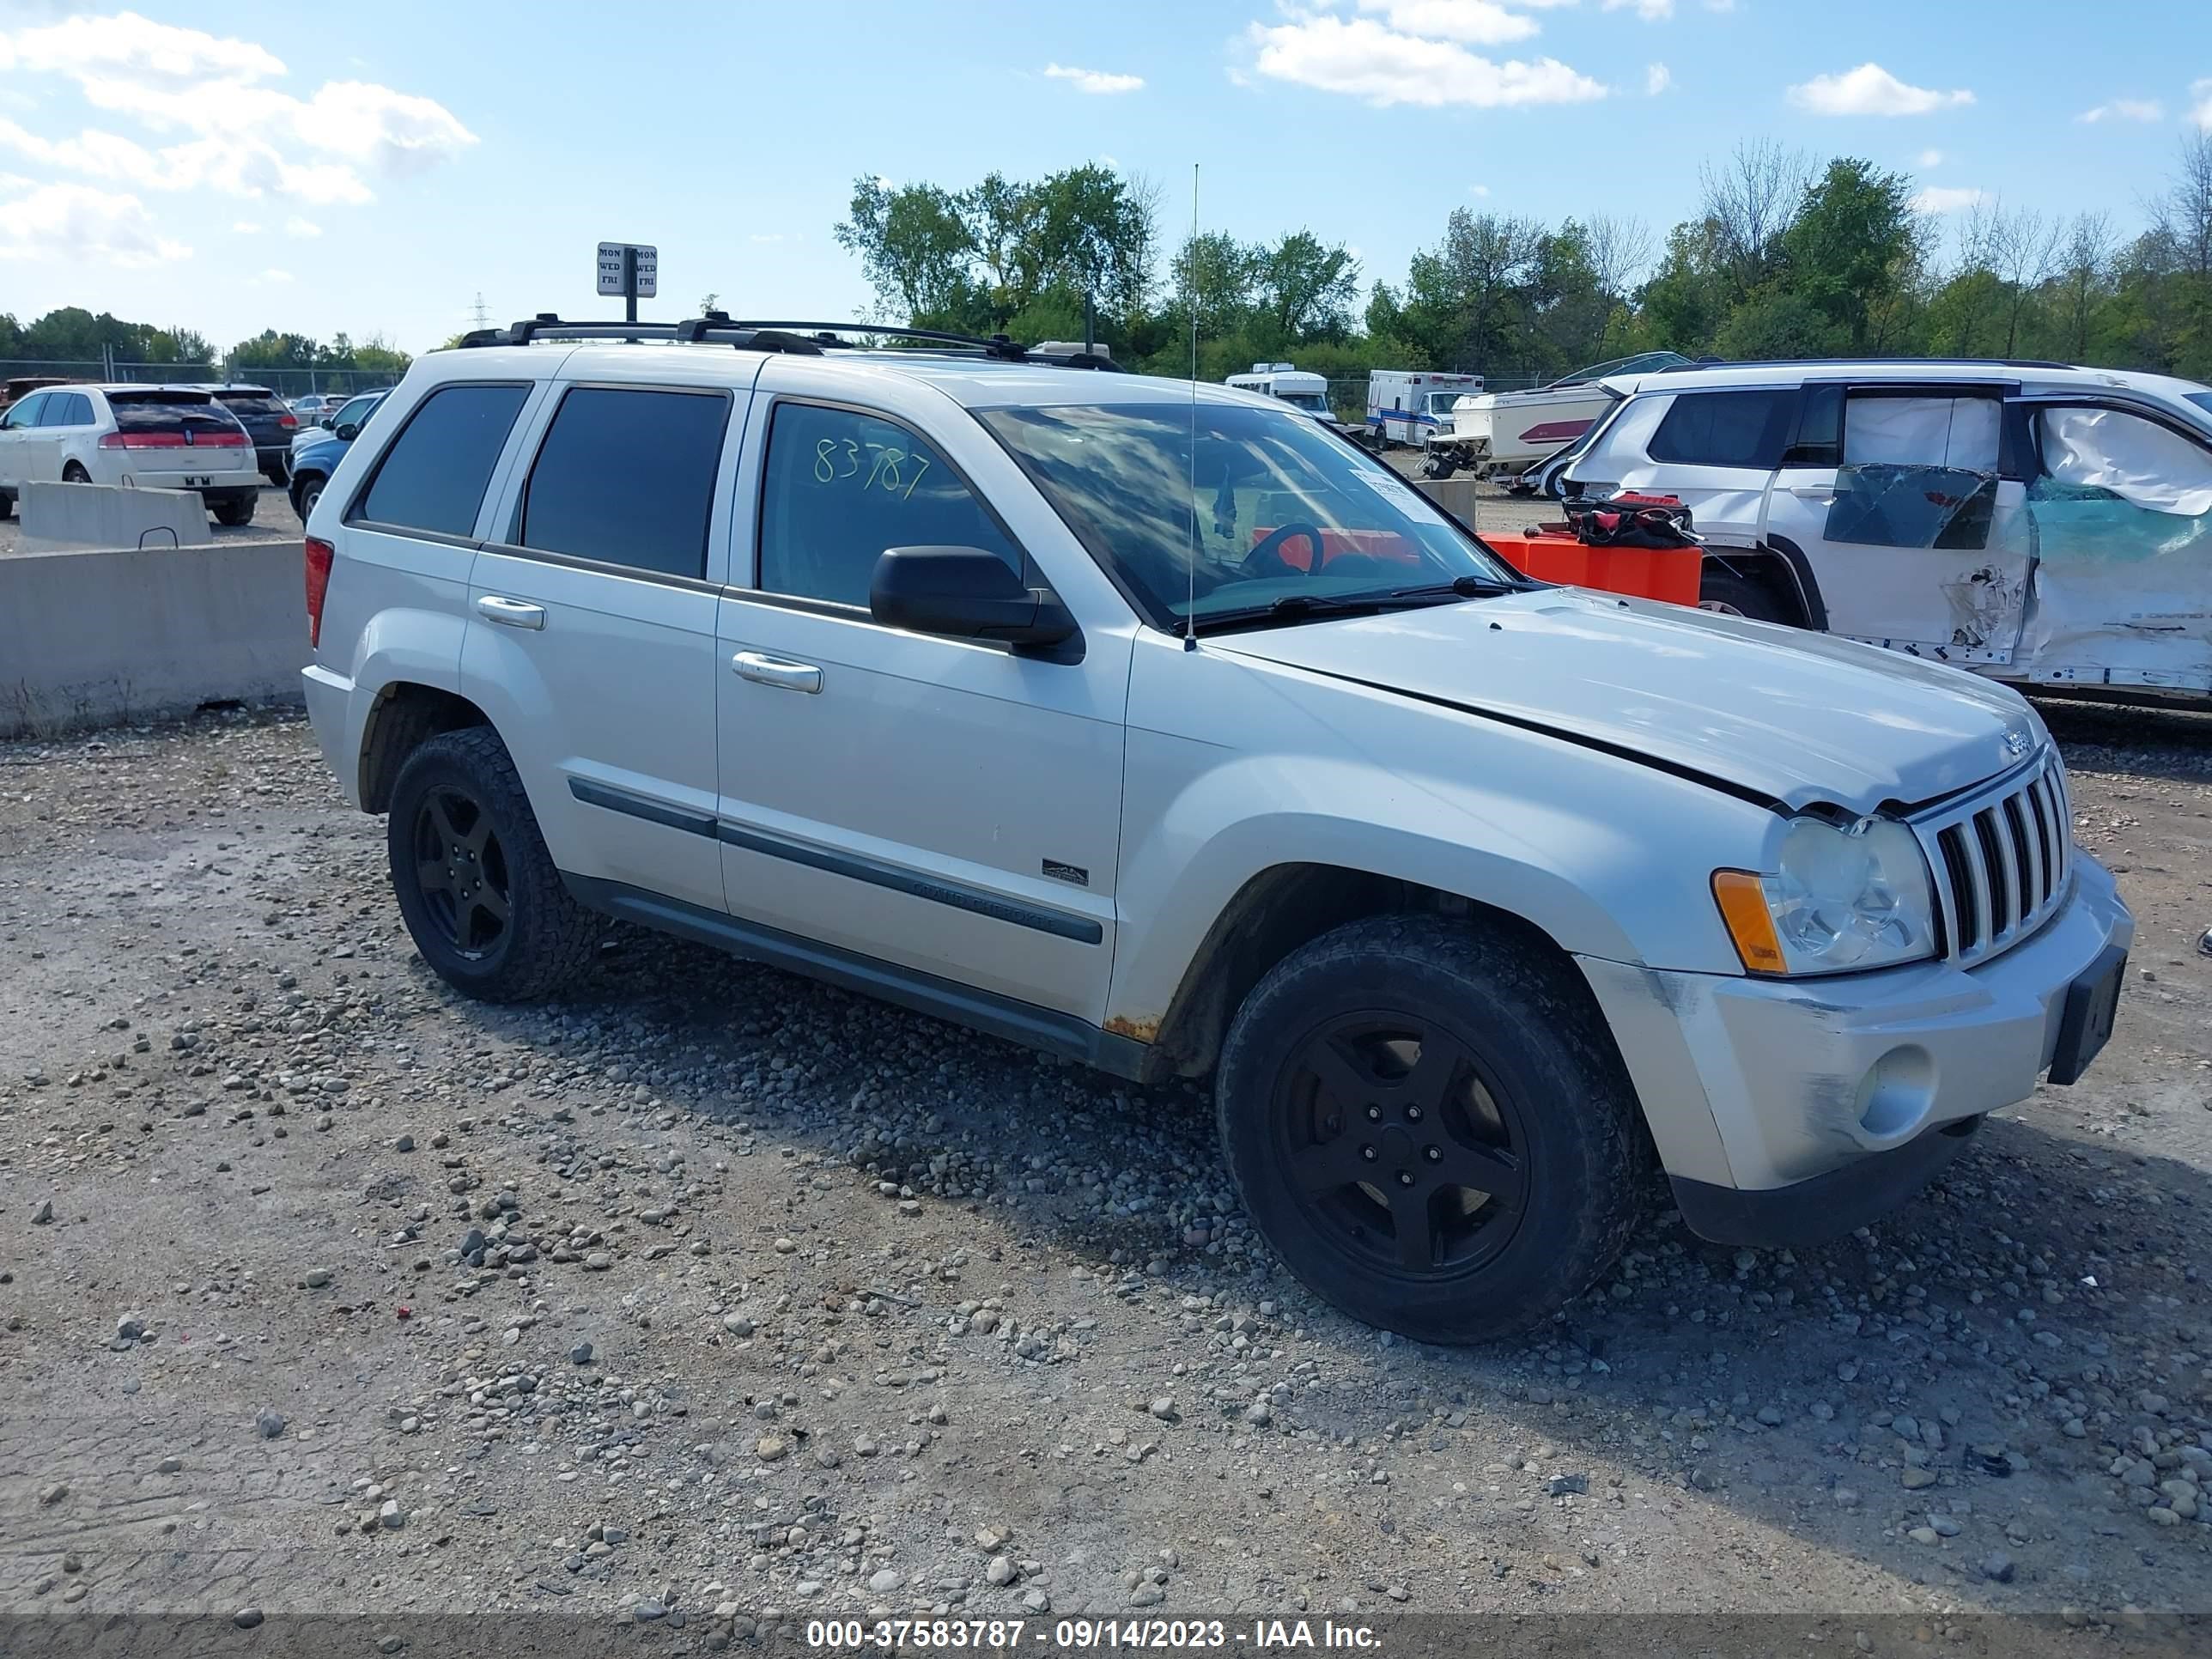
x: 1008, y: 1635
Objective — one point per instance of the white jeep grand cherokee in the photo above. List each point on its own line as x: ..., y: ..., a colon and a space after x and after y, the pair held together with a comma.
x: 1153, y: 726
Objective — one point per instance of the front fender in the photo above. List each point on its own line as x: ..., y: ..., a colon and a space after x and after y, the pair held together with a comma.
x: 1235, y: 766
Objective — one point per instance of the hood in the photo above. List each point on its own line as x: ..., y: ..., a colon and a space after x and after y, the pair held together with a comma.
x: 1772, y: 713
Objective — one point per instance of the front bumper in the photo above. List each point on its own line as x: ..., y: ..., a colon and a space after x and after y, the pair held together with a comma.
x: 1765, y: 1086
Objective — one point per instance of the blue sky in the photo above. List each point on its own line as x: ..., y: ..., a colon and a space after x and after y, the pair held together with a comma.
x: 371, y: 169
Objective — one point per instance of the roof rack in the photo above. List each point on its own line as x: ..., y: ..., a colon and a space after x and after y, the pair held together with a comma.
x: 805, y: 339
x: 1839, y: 362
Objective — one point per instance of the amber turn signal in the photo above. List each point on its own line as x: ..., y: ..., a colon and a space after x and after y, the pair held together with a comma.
x: 1742, y: 899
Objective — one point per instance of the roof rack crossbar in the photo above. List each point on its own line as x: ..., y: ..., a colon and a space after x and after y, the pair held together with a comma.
x: 717, y: 326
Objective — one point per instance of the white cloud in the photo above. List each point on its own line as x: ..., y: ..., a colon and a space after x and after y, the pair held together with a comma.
x: 1095, y: 80
x: 766, y: 236
x: 1651, y: 11
x: 302, y: 228
x: 1720, y: 5
x: 157, y: 52
x: 1361, y: 58
x: 231, y: 133
x: 246, y: 227
x: 1947, y: 198
x: 1478, y: 190
x: 79, y: 225
x: 1657, y: 77
x: 1931, y: 158
x: 2200, y: 112
x: 1474, y: 22
x: 1870, y: 89
x: 2124, y: 109
x: 270, y: 277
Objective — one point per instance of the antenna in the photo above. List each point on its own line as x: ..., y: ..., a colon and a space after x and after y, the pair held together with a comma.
x: 1190, y: 284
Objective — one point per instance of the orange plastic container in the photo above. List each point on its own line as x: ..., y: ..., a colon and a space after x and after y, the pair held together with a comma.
x: 1671, y: 574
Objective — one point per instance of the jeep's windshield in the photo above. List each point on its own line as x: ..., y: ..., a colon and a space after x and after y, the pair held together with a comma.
x: 1274, y: 509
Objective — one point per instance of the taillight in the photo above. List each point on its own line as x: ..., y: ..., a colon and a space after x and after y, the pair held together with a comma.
x: 232, y: 439
x: 320, y: 555
x: 288, y: 422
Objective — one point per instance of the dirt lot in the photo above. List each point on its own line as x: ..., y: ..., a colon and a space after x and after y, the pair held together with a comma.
x: 712, y: 1288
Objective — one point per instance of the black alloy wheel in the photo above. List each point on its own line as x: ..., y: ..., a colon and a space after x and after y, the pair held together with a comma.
x: 460, y: 871
x: 1402, y: 1153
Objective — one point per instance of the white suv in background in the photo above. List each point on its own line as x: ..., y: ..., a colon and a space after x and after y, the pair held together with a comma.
x: 2035, y: 522
x: 1154, y: 726
x: 149, y: 437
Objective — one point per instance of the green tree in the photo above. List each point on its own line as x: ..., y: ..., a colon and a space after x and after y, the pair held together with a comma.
x: 1306, y: 288
x: 1849, y: 245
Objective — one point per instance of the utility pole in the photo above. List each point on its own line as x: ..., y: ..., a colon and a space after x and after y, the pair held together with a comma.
x: 482, y: 317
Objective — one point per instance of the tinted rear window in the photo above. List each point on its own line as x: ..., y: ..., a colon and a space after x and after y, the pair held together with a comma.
x: 148, y: 411
x: 251, y: 403
x: 1725, y: 428
x: 435, y: 475
x: 629, y: 477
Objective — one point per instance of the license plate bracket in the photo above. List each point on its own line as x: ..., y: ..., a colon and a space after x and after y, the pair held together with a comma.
x: 2093, y: 1005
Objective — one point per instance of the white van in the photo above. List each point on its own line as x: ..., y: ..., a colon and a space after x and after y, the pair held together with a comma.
x: 1405, y: 405
x: 1295, y: 386
x: 2037, y: 522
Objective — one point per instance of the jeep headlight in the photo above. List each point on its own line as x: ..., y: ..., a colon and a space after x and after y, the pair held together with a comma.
x: 1841, y: 897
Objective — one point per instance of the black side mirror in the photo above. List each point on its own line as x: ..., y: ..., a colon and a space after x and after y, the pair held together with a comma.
x: 965, y: 593
x: 349, y: 432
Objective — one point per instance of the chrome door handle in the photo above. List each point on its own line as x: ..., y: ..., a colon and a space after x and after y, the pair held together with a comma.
x: 510, y: 613
x: 774, y: 671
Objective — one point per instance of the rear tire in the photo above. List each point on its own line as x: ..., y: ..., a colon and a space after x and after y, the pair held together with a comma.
x: 7, y: 507
x: 1734, y: 594
x: 1428, y: 1123
x: 234, y: 511
x: 74, y: 473
x: 477, y: 889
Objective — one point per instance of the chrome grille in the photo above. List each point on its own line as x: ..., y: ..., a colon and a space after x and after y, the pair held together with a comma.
x: 2001, y: 856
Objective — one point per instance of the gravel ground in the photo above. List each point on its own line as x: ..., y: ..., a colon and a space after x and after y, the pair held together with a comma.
x: 273, y: 521
x: 710, y: 1288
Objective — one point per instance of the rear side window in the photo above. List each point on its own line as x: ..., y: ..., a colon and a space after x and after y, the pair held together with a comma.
x: 1725, y: 428
x: 67, y: 408
x: 627, y: 477
x: 842, y: 487
x: 435, y: 475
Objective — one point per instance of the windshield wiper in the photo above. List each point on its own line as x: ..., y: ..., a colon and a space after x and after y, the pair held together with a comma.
x: 1465, y: 588
x: 1306, y: 607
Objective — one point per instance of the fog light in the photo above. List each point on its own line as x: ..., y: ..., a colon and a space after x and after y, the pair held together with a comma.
x: 1897, y: 1093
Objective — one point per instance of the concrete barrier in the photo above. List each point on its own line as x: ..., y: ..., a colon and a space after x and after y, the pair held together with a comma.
x: 57, y: 516
x: 1458, y: 496
x: 93, y: 638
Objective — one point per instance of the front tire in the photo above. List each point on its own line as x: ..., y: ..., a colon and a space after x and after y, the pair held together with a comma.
x: 306, y: 492
x: 476, y: 888
x: 1427, y: 1122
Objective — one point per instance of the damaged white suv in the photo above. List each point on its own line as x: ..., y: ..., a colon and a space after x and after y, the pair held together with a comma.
x: 1154, y: 726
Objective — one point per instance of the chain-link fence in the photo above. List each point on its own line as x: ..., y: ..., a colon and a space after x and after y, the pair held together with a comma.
x: 284, y: 382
